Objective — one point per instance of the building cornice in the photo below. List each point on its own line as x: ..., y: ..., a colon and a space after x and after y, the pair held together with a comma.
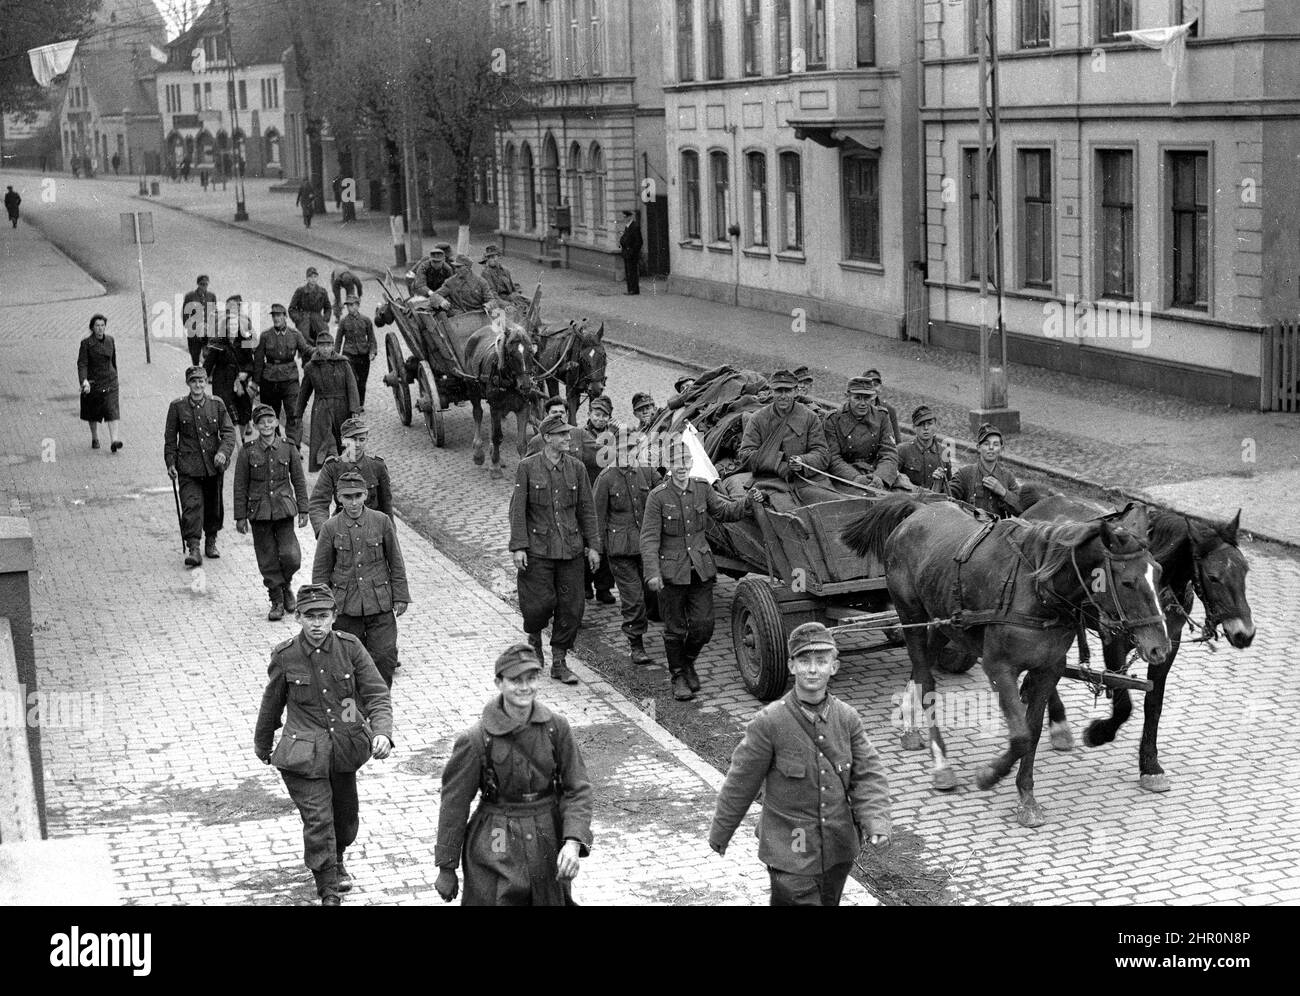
x: 865, y: 72
x: 1087, y: 51
x: 1155, y: 109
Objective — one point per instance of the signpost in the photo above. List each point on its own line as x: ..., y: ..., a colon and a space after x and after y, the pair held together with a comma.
x: 137, y: 230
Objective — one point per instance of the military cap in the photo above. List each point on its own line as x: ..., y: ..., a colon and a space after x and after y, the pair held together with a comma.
x: 311, y: 272
x: 261, y: 411
x: 801, y: 373
x: 515, y: 660
x: 602, y: 403
x: 987, y: 429
x: 277, y: 309
x: 202, y: 278
x: 872, y: 374
x: 640, y: 399
x: 324, y: 338
x: 195, y: 373
x: 783, y: 378
x: 490, y: 251
x: 352, y: 299
x: 445, y: 247
x: 860, y: 385
x: 352, y: 427
x: 628, y: 212
x: 462, y: 260
x: 921, y: 414
x: 437, y: 251
x: 677, y: 384
x: 553, y: 423
x: 315, y: 596
x: 235, y: 297
x: 351, y: 481
x: 809, y: 636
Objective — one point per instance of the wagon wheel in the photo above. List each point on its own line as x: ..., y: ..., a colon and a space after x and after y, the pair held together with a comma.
x: 396, y: 377
x: 431, y: 405
x: 955, y: 660
x: 758, y: 636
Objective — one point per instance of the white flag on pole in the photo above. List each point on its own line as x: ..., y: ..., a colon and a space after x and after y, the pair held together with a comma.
x: 701, y: 466
x: 157, y: 54
x: 1172, y: 43
x: 50, y: 61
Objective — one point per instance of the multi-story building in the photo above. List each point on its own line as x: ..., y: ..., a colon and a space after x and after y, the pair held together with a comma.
x: 583, y: 154
x: 794, y: 162
x: 1144, y: 243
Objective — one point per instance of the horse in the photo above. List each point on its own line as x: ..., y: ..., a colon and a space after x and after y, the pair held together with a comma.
x: 499, y: 357
x: 1014, y: 600
x: 574, y: 355
x: 1203, y: 559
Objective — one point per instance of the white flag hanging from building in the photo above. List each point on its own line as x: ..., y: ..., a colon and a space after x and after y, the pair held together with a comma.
x: 157, y: 54
x: 50, y: 61
x: 1172, y: 43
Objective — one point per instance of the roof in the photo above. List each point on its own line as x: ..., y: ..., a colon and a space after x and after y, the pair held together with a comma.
x: 119, y: 81
x: 256, y: 32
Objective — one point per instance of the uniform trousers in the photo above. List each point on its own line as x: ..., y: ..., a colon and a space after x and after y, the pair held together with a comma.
x: 633, y: 596
x: 330, y: 820
x: 278, y: 554
x: 284, y: 393
x: 203, y: 511
x: 550, y: 591
x: 378, y: 634
x: 195, y: 343
x: 688, y: 620
x: 789, y: 889
x: 361, y: 370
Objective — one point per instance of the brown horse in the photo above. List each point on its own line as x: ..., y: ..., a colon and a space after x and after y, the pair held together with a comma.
x: 499, y: 358
x: 575, y: 357
x: 1014, y: 600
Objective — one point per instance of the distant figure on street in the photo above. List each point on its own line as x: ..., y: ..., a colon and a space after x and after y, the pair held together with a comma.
x: 310, y: 307
x: 307, y: 201
x: 629, y: 245
x: 275, y: 370
x: 172, y: 171
x: 197, y: 445
x: 203, y: 178
x: 343, y: 282
x: 97, y: 372
x: 336, y: 185
x: 533, y: 822
x: 824, y: 787
x: 76, y: 167
x: 357, y: 342
x: 12, y: 200
x: 185, y: 169
x: 329, y: 377
x: 199, y: 315
x: 322, y: 746
x: 373, y: 470
x: 986, y: 483
x: 117, y: 162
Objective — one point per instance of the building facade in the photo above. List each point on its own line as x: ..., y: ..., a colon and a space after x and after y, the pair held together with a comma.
x: 1144, y: 243
x: 594, y: 144
x: 793, y: 146
x: 107, y: 113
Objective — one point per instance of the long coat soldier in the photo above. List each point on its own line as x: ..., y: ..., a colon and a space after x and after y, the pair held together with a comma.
x: 533, y: 822
x: 986, y: 483
x: 373, y: 470
x: 339, y: 716
x: 329, y: 377
x: 275, y: 369
x: 781, y: 440
x: 310, y: 307
x: 198, y: 441
x: 861, y: 444
x: 621, y: 492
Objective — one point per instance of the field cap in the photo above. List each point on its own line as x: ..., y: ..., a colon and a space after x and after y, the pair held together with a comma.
x: 987, y: 429
x: 261, y: 411
x: 553, y: 423
x: 315, y: 596
x: 809, y: 636
x: 350, y: 483
x: 860, y: 385
x: 515, y: 660
x: 922, y: 414
x: 641, y: 399
x: 195, y: 373
x: 352, y: 427
x: 277, y: 309
x: 312, y: 272
x: 677, y: 384
x: 783, y: 378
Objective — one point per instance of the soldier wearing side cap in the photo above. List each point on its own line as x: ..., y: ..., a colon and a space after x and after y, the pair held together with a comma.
x: 465, y: 290
x: 275, y: 370
x: 533, y: 822
x: 339, y: 716
x: 310, y: 307
x: 198, y: 442
x: 329, y: 377
x: 357, y: 343
x: 923, y: 460
x: 270, y: 488
x: 355, y: 457
x: 861, y: 444
x: 824, y: 787
x: 358, y: 556
x: 986, y: 483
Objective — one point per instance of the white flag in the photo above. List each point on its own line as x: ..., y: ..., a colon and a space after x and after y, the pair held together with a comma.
x: 157, y: 54
x: 50, y: 61
x: 1172, y: 42
x: 701, y: 466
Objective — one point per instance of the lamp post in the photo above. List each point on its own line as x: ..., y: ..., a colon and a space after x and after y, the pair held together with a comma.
x: 236, y: 159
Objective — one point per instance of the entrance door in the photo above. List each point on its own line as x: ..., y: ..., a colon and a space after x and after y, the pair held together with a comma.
x: 656, y: 236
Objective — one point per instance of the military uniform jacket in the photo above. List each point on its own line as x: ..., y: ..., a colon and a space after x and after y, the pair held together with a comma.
x: 468, y: 293
x: 804, y: 795
x: 269, y: 482
x: 275, y: 355
x: 919, y: 463
x: 379, y: 494
x: 337, y: 702
x: 770, y: 440
x: 499, y: 279
x: 195, y: 434
x: 861, y: 446
x: 430, y: 276
x: 672, y: 530
x: 968, y: 485
x: 310, y: 309
x: 551, y: 511
x: 360, y: 559
x: 621, y: 494
x: 357, y: 336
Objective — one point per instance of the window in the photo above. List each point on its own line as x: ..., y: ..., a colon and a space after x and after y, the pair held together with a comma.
x: 751, y: 39
x: 198, y: 97
x: 576, y: 192
x: 720, y: 177
x: 595, y: 49
x: 243, y: 95
x: 230, y: 94
x: 596, y: 157
x: 972, y: 219
x: 756, y: 172
x: 866, y: 32
x: 512, y: 188
x: 862, y: 207
x: 530, y: 188
x: 1189, y: 244
x: 814, y: 33
x: 207, y: 96
x: 973, y: 25
x: 713, y: 39
x: 1035, y: 23
x: 1116, y: 239
x: 791, y: 202
x: 575, y: 41
x: 685, y: 40
x: 782, y: 36
x: 1189, y: 10
x: 1036, y: 217
x: 691, y: 195
x: 547, y: 16
x: 1112, y: 16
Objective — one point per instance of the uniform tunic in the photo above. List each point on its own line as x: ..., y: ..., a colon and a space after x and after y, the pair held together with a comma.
x: 329, y: 377
x: 270, y: 488
x: 357, y: 343
x: 502, y: 283
x: 620, y: 496
x: 379, y: 489
x: 97, y: 363
x: 276, y: 372
x: 770, y: 440
x: 199, y: 314
x: 194, y: 435
x: 310, y: 310
x: 430, y: 276
x: 861, y: 446
x: 524, y: 757
x: 466, y: 292
x: 968, y: 485
x: 919, y: 463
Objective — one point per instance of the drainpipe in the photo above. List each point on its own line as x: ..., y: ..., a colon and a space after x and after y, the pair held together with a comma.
x: 735, y: 212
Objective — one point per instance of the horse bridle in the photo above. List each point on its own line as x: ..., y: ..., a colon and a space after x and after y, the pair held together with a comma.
x: 564, y: 354
x: 1118, y: 623
x: 1210, y: 628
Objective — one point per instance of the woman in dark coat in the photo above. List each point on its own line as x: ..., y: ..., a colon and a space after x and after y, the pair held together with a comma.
x: 228, y: 359
x: 97, y: 371
x: 328, y: 375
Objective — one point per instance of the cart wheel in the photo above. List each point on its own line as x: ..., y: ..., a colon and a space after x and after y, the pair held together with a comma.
x: 431, y: 405
x: 955, y: 660
x: 758, y: 636
x: 397, y: 377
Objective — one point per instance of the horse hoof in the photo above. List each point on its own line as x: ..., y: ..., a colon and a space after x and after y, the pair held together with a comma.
x: 1061, y: 737
x: 1154, y: 783
x: 497, y: 473
x: 945, y: 780
x: 1030, y: 815
x: 987, y: 777
x: 912, y: 740
x: 478, y: 459
x: 1096, y: 734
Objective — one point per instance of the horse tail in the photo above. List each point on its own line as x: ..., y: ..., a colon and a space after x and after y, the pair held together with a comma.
x: 867, y: 535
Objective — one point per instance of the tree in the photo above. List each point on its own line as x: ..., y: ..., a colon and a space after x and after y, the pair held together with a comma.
x: 180, y: 15
x: 29, y: 24
x: 308, y: 25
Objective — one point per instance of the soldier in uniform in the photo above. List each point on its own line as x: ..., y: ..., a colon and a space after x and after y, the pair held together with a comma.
x: 553, y: 406
x: 339, y: 716
x: 678, y: 563
x: 824, y: 787
x: 269, y: 488
x: 329, y: 377
x: 873, y: 377
x: 358, y: 556
x: 680, y: 386
x: 804, y: 392
x: 987, y: 484
x: 533, y: 822
x: 198, y: 312
x: 198, y: 442
x: 373, y: 470
x: 620, y: 495
x: 431, y: 272
x: 357, y: 343
x: 595, y: 436
x: 922, y: 460
x: 497, y: 276
x: 276, y: 372
x: 781, y: 440
x: 344, y: 282
x: 861, y: 444
x: 465, y: 290
x: 645, y: 410
x: 552, y: 519
x: 310, y: 307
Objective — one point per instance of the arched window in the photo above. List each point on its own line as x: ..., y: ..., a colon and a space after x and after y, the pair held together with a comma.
x: 272, y: 146
x: 576, y: 192
x: 512, y: 200
x: 596, y: 161
x: 530, y: 187
x: 550, y: 176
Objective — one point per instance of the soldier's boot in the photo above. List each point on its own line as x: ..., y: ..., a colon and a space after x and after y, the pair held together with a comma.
x: 211, y: 549
x: 327, y: 886
x: 277, y: 606
x: 193, y: 558
x: 560, y: 667
x: 535, y: 641
x: 344, y: 879
x: 637, y: 651
x: 692, y: 679
x: 677, y: 667
x: 290, y: 603
x: 605, y: 596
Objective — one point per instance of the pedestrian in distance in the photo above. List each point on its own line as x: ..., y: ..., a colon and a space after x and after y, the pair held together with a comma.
x: 355, y: 457
x: 358, y: 344
x: 358, y: 556
x: 270, y: 488
x: 185, y: 169
x: 306, y: 200
x: 336, y: 187
x: 310, y: 307
x: 117, y: 162
x: 923, y: 460
x: 552, y: 520
x: 339, y: 715
x: 97, y: 372
x: 328, y: 376
x: 203, y: 179
x: 824, y: 787
x: 987, y: 484
x: 198, y: 442
x: 199, y: 315
x: 275, y: 370
x: 629, y: 247
x: 533, y: 822
x: 12, y: 201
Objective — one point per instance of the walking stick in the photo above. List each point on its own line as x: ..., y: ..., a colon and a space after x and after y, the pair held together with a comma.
x: 176, y: 493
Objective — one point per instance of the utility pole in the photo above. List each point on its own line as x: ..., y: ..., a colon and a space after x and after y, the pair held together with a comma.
x: 410, y: 181
x: 236, y: 159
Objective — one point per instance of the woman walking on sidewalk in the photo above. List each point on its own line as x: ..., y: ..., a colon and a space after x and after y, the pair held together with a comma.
x: 97, y: 371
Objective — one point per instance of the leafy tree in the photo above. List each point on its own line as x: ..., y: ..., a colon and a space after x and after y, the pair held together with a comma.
x: 29, y: 24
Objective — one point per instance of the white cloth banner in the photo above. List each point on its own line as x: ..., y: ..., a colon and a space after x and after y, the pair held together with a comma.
x: 50, y: 61
x: 157, y: 54
x: 1172, y: 43
x: 701, y: 466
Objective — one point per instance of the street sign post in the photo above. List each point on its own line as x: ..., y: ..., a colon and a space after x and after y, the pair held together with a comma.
x: 137, y: 230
